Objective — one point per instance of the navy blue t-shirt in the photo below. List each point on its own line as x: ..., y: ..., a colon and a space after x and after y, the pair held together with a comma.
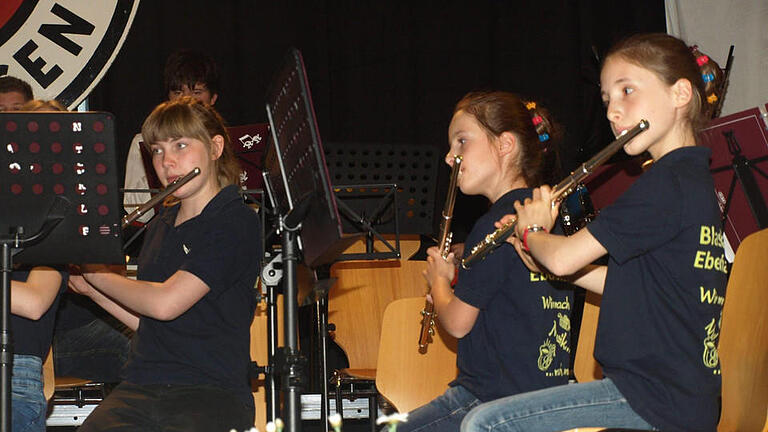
x: 521, y: 339
x: 209, y: 343
x: 664, y: 291
x: 33, y: 337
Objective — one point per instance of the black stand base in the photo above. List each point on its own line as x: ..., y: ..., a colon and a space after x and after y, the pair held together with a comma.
x: 6, y: 348
x: 290, y: 364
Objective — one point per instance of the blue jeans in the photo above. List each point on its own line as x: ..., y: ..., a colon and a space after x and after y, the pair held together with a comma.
x: 28, y: 404
x: 96, y: 351
x: 444, y: 413
x: 596, y: 403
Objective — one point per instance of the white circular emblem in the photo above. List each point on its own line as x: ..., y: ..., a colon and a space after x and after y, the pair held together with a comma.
x: 62, y: 48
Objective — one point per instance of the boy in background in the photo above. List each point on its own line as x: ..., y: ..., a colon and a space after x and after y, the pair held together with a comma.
x: 14, y: 93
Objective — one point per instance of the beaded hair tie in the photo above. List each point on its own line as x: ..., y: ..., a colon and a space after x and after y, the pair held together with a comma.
x: 703, y: 61
x: 536, y: 119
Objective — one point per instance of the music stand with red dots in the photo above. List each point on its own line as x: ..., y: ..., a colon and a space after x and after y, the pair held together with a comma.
x: 59, y: 202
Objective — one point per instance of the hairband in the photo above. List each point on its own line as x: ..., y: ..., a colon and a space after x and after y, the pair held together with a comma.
x: 543, y: 137
x: 701, y: 60
x: 530, y: 106
x: 712, y: 98
x: 707, y: 77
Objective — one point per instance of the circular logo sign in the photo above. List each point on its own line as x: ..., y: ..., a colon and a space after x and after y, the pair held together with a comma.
x: 62, y: 48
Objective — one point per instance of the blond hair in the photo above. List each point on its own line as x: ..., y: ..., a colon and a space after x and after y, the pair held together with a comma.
x: 187, y: 117
x: 43, y: 105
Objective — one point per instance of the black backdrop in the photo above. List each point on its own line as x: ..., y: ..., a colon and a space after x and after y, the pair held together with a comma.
x: 384, y: 72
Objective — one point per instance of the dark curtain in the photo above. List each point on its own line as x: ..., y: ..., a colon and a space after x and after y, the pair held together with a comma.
x: 384, y: 72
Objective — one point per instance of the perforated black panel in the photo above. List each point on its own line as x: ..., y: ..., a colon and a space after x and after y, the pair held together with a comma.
x: 65, y: 158
x: 413, y: 168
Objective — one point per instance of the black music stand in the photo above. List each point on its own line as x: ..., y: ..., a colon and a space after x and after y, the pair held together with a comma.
x: 59, y: 181
x: 249, y: 142
x: 739, y: 144
x: 297, y: 182
x: 742, y: 168
x: 724, y: 84
x: 365, y: 209
x: 413, y: 168
x: 384, y: 188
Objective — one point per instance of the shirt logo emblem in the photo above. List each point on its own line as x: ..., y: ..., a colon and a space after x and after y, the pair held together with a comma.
x: 186, y: 249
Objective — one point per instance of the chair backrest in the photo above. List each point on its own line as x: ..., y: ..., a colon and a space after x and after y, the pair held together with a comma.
x: 585, y: 367
x: 743, y: 346
x: 51, y: 382
x: 362, y: 291
x: 407, y: 378
x: 49, y: 379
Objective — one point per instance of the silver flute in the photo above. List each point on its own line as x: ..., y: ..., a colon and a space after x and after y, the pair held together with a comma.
x: 565, y: 187
x: 428, y: 315
x: 171, y: 188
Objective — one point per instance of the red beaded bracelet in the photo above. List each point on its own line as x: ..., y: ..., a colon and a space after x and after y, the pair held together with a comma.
x: 531, y: 228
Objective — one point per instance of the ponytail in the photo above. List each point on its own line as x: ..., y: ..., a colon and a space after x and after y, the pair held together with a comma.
x: 538, y: 134
x: 712, y: 79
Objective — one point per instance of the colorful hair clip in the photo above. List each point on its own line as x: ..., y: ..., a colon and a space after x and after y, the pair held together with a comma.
x: 530, y: 106
x: 543, y: 137
x: 537, y: 119
x: 712, y: 98
x: 707, y: 77
x: 700, y: 60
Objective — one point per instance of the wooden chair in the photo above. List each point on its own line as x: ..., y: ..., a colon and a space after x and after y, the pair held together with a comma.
x: 585, y: 367
x: 362, y: 291
x: 743, y: 345
x: 49, y: 380
x: 356, y: 305
x: 70, y: 399
x: 407, y: 378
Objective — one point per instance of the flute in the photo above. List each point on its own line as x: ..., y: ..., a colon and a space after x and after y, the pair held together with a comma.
x: 498, y: 237
x: 428, y: 315
x: 171, y: 188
